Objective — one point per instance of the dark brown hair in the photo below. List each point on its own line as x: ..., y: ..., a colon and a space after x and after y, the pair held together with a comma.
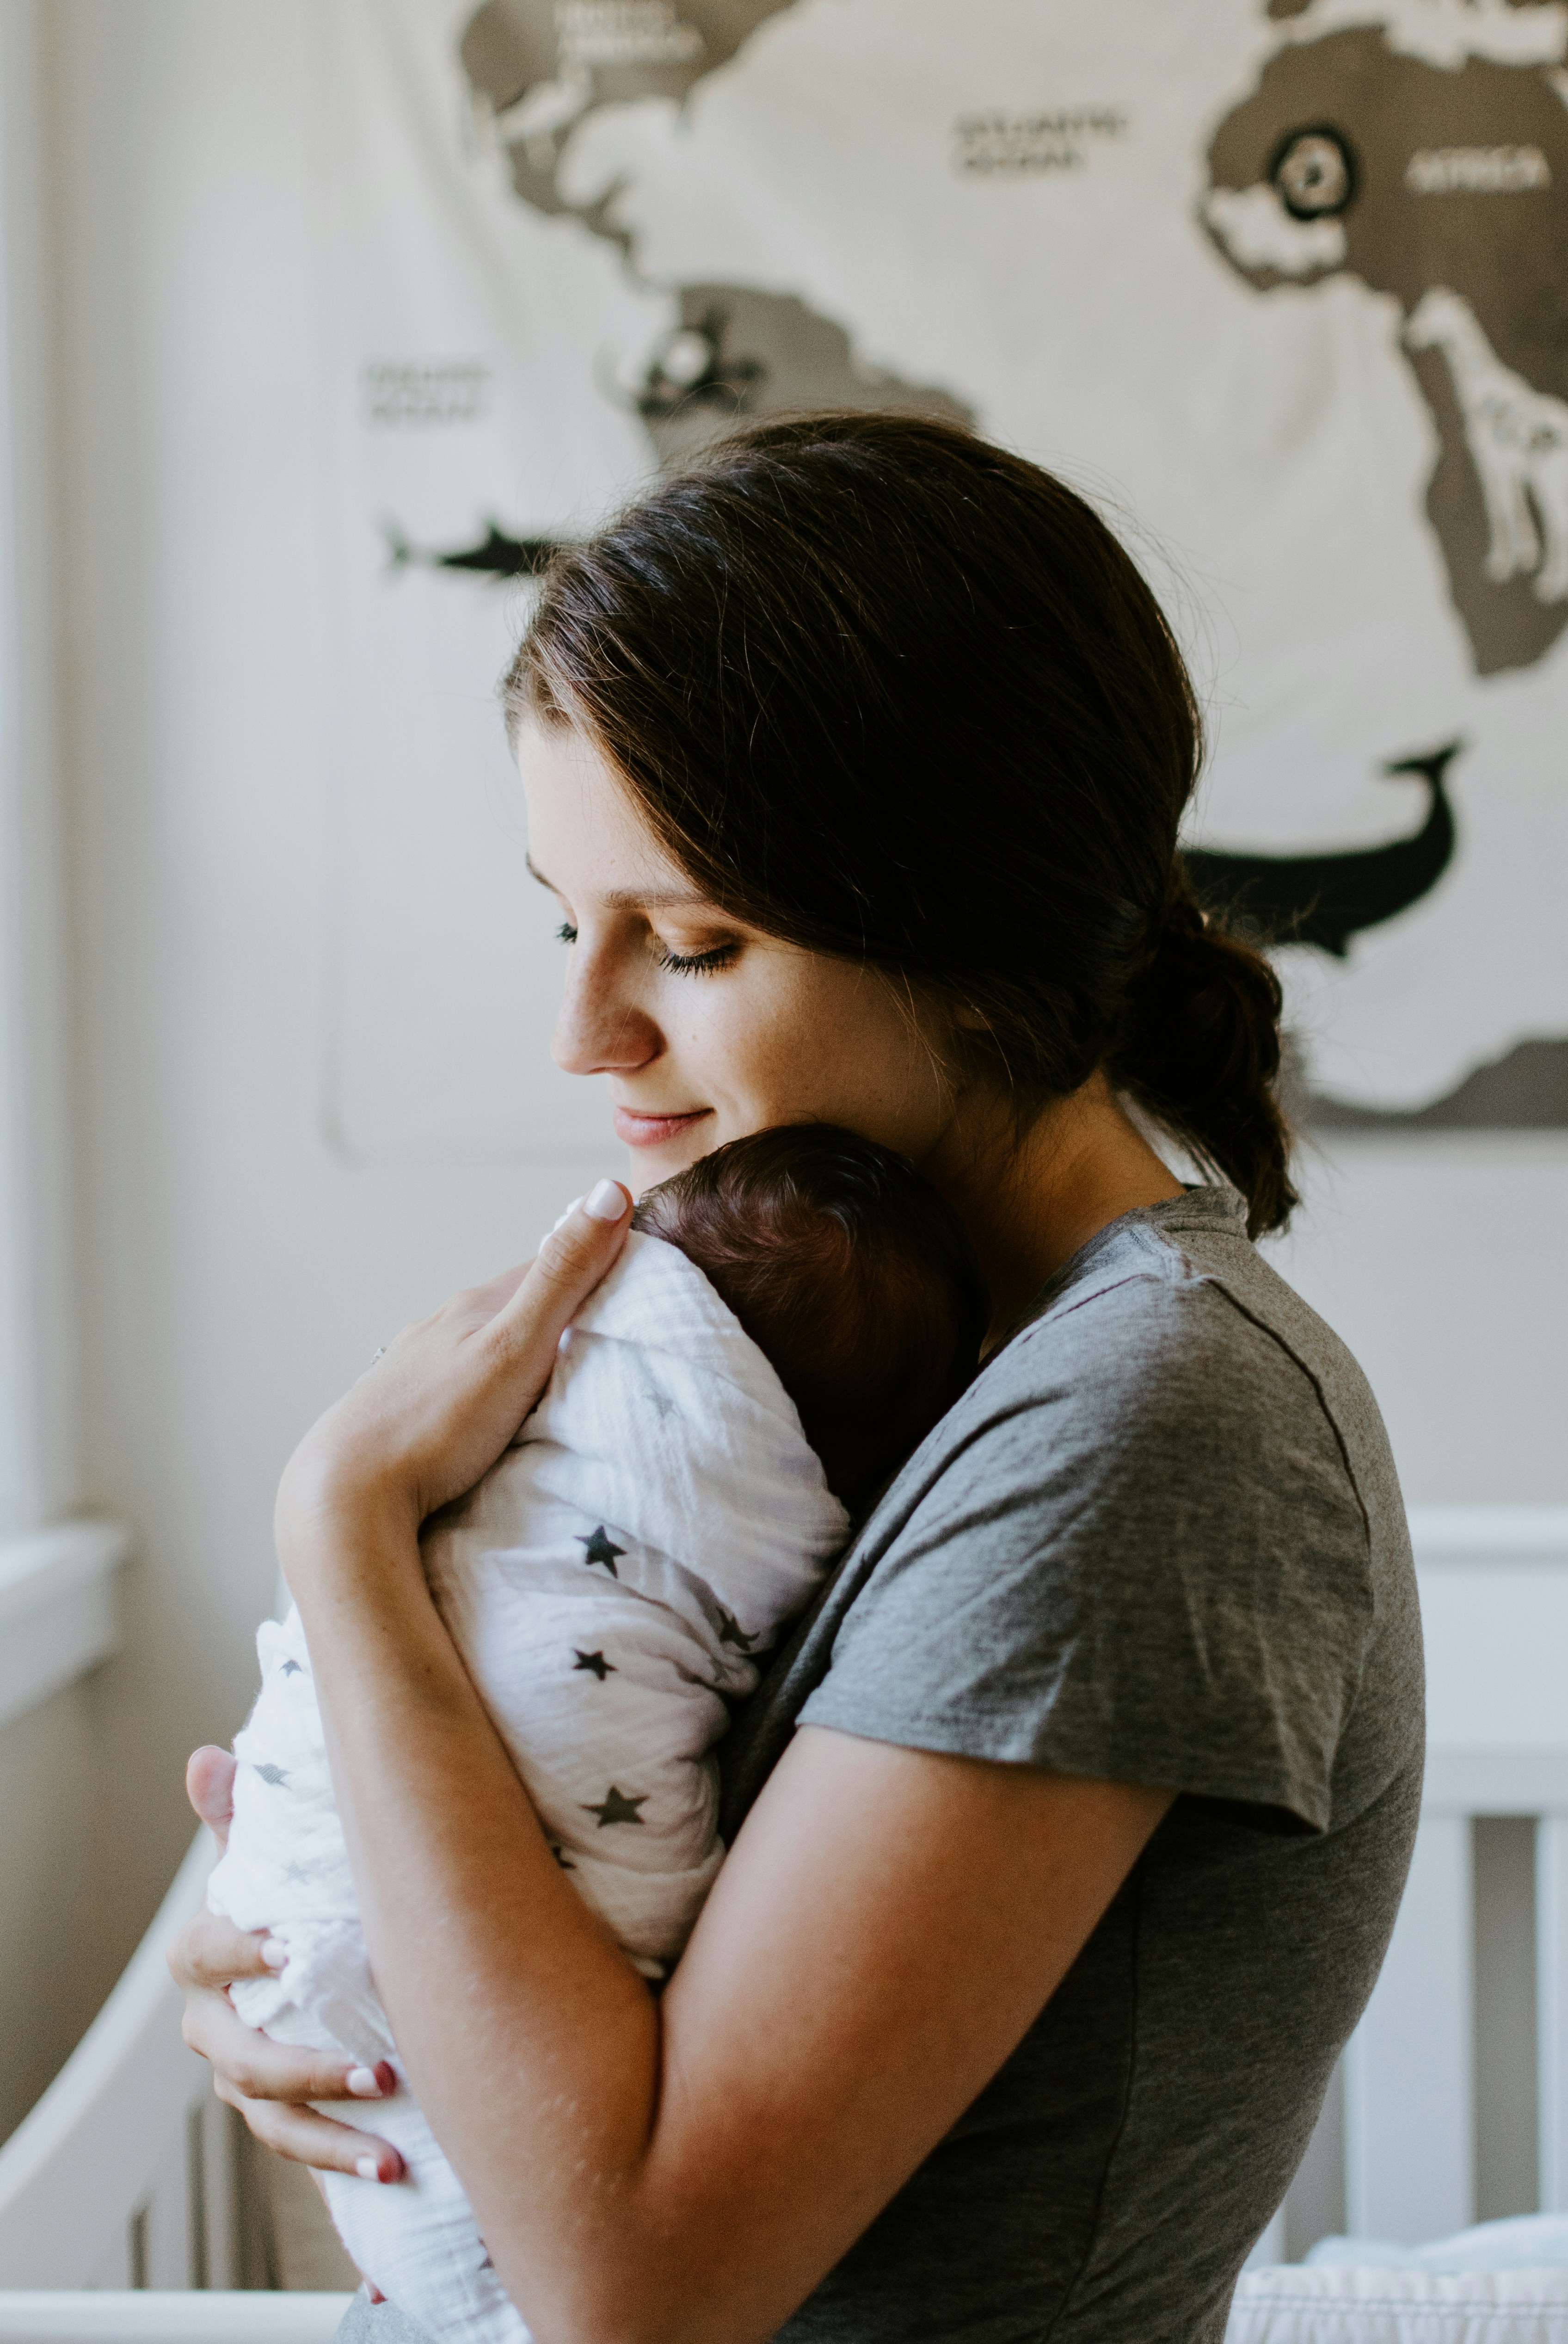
x: 848, y: 1270
x: 886, y: 690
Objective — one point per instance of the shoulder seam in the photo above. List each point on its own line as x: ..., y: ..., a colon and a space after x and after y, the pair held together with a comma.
x: 1291, y: 1353
x: 1216, y: 1281
x: 1141, y: 1276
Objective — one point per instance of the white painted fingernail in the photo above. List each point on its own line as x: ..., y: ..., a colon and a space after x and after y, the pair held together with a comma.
x: 275, y: 1954
x: 363, y: 2083
x: 606, y: 1202
x: 366, y: 2169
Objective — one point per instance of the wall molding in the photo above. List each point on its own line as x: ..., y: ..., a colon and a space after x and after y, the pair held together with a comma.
x: 1493, y: 1584
x: 59, y: 1616
x: 1446, y: 1535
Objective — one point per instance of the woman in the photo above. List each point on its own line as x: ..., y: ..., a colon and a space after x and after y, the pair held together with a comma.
x: 1068, y: 1831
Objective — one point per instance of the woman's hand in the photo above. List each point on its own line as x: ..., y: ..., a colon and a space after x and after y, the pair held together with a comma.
x: 449, y: 1393
x: 269, y: 2083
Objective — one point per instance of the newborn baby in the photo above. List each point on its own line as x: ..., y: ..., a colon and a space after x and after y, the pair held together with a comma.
x: 790, y: 1317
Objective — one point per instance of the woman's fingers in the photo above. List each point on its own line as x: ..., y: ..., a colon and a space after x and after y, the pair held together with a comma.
x: 505, y: 1355
x: 211, y: 1952
x: 209, y: 1787
x: 554, y: 1288
x: 450, y: 1394
x: 309, y: 2138
x: 494, y: 1295
x: 250, y: 2064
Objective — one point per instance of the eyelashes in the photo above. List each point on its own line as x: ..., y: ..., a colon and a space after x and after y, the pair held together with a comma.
x: 674, y: 963
x: 702, y: 964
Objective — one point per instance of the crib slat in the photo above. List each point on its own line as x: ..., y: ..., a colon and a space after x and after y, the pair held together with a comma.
x: 169, y: 2243
x: 1551, y: 2007
x: 215, y: 2260
x: 1409, y: 2121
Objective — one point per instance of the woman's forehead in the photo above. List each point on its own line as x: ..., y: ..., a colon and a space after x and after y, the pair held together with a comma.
x: 587, y: 835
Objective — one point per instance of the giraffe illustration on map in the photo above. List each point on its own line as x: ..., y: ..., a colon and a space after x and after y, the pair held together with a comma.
x: 1518, y: 440
x: 1436, y: 171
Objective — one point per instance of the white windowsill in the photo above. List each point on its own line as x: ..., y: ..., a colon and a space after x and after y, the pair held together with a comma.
x: 58, y: 1616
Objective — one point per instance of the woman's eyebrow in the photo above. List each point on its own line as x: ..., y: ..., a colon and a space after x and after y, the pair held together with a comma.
x: 630, y: 899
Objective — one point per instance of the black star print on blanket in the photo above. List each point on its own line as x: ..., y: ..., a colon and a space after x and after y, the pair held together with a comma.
x: 596, y: 1662
x: 601, y: 1547
x: 730, y: 1631
x: 618, y: 1808
x: 273, y: 1774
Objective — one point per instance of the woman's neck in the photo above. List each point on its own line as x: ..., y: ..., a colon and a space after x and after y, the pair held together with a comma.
x: 1029, y: 1204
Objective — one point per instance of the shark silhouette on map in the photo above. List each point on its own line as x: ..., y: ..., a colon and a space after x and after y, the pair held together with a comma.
x: 1443, y: 181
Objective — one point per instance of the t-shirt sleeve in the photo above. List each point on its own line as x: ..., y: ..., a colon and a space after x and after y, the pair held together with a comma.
x: 1144, y: 1558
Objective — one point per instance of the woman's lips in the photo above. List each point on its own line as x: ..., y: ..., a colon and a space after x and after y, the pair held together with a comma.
x: 638, y: 1130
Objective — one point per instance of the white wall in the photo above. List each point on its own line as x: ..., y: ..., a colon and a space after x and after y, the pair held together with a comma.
x: 235, y: 1273
x: 56, y: 1953
x: 1442, y: 1261
x: 50, y: 1977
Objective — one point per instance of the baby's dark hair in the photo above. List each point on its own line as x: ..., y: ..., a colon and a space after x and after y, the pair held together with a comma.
x: 849, y: 1271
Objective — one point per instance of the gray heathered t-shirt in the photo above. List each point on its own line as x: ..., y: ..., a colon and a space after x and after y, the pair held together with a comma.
x: 1159, y: 1539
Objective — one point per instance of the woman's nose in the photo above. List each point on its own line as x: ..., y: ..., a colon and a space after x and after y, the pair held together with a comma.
x: 600, y: 1030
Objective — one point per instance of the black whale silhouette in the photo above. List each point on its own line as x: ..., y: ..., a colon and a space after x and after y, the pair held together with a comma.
x: 1326, y: 899
x: 496, y: 555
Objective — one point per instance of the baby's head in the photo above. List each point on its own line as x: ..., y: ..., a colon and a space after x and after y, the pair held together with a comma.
x: 849, y: 1271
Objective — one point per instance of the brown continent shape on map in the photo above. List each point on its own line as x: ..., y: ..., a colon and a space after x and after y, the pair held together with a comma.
x: 772, y: 355
x: 744, y: 353
x: 1505, y: 254
x: 510, y: 47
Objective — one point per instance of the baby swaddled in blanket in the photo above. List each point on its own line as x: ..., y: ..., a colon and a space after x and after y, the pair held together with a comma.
x: 790, y: 1315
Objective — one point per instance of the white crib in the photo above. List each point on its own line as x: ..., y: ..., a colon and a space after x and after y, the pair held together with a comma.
x: 118, y: 2193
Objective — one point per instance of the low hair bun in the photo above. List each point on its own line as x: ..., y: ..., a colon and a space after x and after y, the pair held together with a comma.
x: 1201, y: 1054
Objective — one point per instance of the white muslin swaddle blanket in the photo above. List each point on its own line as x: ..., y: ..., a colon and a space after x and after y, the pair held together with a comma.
x: 655, y: 1522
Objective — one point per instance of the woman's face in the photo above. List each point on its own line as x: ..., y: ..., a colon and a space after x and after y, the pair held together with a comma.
x: 705, y: 1028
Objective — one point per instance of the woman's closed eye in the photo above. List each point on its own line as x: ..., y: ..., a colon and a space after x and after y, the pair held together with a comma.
x: 700, y: 964
x: 675, y: 964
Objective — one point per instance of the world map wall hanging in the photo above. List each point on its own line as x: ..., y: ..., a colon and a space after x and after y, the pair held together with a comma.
x: 1281, y: 284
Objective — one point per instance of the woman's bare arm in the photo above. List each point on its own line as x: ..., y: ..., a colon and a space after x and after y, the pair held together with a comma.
x: 886, y: 1926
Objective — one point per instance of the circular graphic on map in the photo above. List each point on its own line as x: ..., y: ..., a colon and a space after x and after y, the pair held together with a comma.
x: 1314, y: 173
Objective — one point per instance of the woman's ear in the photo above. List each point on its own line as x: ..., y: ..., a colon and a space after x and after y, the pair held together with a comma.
x: 969, y: 1019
